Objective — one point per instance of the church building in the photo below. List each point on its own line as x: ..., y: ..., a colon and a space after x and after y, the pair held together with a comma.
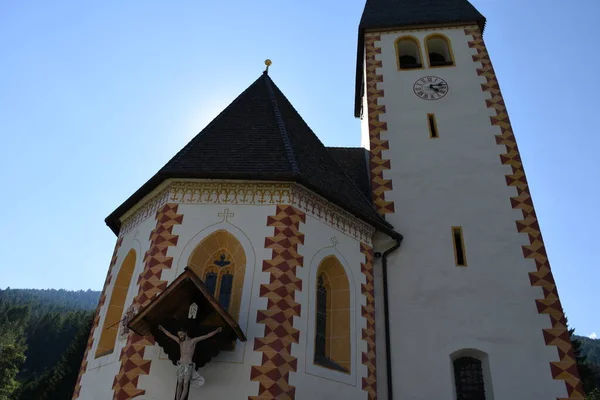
x: 260, y: 264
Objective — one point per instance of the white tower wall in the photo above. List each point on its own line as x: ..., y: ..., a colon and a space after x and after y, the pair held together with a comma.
x: 457, y: 179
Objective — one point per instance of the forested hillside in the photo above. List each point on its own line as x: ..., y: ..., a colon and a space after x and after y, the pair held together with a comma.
x: 46, y: 300
x: 43, y: 334
x: 591, y: 349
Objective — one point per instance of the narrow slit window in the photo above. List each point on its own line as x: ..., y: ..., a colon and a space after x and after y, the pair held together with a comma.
x: 459, y: 247
x: 433, y: 130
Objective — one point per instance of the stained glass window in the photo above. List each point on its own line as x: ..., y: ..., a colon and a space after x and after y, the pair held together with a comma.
x: 225, y: 290
x: 321, y: 331
x: 211, y: 282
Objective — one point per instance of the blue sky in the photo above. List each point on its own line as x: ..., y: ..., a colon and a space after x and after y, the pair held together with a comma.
x: 95, y: 98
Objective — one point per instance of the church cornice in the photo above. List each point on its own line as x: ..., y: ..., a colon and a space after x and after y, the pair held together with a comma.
x: 246, y: 193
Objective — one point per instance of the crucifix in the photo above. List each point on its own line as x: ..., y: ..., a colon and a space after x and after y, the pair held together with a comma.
x: 186, y: 369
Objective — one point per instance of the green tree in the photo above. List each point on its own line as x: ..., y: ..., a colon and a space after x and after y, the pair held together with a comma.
x: 13, y: 320
x: 58, y: 382
x: 589, y: 373
x: 594, y: 395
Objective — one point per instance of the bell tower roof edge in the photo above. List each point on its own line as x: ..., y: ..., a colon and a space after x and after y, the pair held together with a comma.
x: 388, y: 14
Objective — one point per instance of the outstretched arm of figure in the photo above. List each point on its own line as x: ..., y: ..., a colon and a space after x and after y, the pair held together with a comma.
x: 169, y: 334
x: 201, y: 338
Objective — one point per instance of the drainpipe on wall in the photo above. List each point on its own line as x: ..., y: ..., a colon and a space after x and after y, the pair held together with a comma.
x: 386, y: 315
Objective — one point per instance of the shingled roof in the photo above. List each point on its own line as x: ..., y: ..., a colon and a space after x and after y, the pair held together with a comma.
x: 260, y: 136
x: 355, y: 162
x: 386, y: 14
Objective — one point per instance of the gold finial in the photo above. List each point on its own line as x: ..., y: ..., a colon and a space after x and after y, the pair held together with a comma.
x: 268, y: 64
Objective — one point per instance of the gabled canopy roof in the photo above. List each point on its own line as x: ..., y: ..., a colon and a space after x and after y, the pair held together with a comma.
x: 386, y: 14
x: 260, y: 136
x: 171, y: 308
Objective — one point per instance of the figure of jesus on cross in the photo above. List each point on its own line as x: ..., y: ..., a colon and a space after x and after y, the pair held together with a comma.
x: 185, y: 366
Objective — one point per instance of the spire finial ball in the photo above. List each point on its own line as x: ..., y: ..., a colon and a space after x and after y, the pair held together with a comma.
x: 267, y: 63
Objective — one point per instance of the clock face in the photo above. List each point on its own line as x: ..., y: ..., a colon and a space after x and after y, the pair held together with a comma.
x: 430, y: 88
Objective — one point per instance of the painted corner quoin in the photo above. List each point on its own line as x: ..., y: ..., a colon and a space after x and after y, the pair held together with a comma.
x: 132, y: 360
x: 369, y: 359
x: 566, y: 368
x: 377, y: 128
x: 276, y: 345
x: 96, y: 321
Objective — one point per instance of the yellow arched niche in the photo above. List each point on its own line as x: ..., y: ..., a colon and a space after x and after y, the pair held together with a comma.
x: 219, y: 260
x: 111, y: 326
x: 332, y: 342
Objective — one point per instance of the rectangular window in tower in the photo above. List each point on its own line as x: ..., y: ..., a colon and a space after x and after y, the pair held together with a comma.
x: 433, y: 130
x: 459, y: 247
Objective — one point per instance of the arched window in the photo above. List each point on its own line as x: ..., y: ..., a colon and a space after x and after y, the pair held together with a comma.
x: 408, y: 53
x: 219, y: 260
x: 469, y: 379
x: 111, y: 326
x: 439, y: 50
x: 332, y: 322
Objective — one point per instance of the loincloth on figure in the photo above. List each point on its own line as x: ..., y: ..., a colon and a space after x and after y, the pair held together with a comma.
x: 189, y: 371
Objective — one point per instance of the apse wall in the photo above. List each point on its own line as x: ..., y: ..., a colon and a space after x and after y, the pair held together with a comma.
x: 286, y: 233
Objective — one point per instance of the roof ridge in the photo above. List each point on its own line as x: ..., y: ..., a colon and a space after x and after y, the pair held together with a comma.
x: 287, y: 142
x: 203, y: 131
x: 341, y: 169
x: 353, y: 182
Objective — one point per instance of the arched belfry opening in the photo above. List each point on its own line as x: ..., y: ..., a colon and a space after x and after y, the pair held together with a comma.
x: 220, y: 261
x: 439, y: 51
x: 408, y: 53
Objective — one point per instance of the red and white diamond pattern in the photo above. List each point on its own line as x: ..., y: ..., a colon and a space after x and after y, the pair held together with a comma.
x: 558, y: 335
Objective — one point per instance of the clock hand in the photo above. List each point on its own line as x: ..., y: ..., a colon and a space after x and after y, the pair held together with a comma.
x: 434, y: 89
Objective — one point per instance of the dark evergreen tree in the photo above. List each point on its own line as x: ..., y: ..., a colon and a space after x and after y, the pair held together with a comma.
x: 589, y: 373
x: 58, y: 382
x: 594, y: 395
x: 591, y: 349
x: 57, y: 317
x: 13, y: 320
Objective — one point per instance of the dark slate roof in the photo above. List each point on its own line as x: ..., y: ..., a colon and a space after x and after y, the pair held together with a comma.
x: 260, y: 136
x: 385, y: 14
x: 355, y: 161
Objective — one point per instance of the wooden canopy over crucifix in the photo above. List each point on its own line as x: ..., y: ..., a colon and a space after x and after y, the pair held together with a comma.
x: 171, y: 309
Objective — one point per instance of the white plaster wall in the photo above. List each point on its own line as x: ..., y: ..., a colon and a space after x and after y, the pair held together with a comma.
x: 438, y: 308
x: 228, y: 375
x: 97, y: 382
x: 230, y: 371
x: 312, y: 381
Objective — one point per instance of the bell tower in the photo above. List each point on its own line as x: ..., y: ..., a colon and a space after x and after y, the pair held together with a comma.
x: 475, y: 311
